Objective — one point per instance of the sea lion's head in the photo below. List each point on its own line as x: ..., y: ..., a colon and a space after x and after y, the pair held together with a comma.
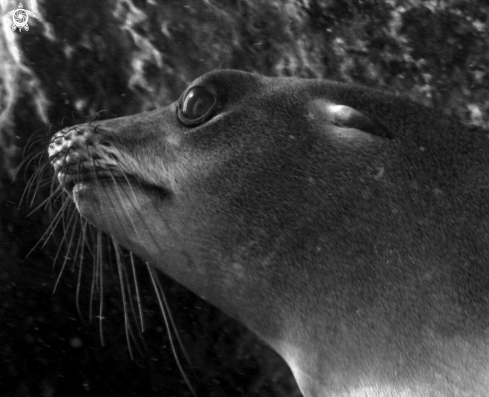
x: 218, y: 175
x: 335, y: 221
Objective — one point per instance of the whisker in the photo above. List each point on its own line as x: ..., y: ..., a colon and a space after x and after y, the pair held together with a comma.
x: 124, y: 299
x: 45, y: 202
x: 35, y: 181
x: 95, y: 273
x: 42, y: 140
x: 66, y: 225
x: 125, y: 284
x: 160, y: 297
x: 125, y: 208
x: 133, y: 310
x: 27, y: 191
x: 26, y: 161
x: 138, y: 297
x: 99, y: 278
x: 27, y: 157
x: 49, y: 231
x: 38, y: 177
x: 63, y: 266
x: 84, y: 224
x: 170, y: 317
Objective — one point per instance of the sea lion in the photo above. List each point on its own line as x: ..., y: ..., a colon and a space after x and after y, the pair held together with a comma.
x: 346, y: 226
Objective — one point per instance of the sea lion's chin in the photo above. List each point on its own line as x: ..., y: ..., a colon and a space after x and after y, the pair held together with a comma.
x: 126, y: 212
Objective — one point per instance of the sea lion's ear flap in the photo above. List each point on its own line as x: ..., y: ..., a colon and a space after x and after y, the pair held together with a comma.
x: 347, y: 117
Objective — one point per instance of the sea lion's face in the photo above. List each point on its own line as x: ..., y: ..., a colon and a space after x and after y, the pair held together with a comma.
x: 161, y: 183
x: 229, y: 159
x: 214, y: 179
x: 151, y: 178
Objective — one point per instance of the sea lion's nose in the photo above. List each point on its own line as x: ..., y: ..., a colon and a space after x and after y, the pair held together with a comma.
x: 69, y: 139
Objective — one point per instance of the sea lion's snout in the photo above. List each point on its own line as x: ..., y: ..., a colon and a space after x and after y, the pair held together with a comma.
x: 87, y: 153
x: 77, y: 155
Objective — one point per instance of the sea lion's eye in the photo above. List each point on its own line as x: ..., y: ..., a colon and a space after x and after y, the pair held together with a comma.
x: 198, y: 102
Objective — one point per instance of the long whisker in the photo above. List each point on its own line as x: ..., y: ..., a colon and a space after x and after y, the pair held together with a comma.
x: 95, y: 272
x: 133, y: 311
x: 65, y: 224
x: 38, y: 177
x: 125, y: 284
x: 165, y: 307
x: 170, y: 317
x: 37, y: 138
x: 50, y: 230
x: 45, y: 202
x: 26, y: 161
x: 54, y: 190
x: 125, y: 209
x: 100, y: 277
x: 84, y: 224
x: 124, y: 299
x: 63, y: 266
x: 159, y: 295
x: 138, y: 296
x: 136, y: 231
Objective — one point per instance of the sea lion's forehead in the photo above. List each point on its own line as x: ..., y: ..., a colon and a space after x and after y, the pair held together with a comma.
x: 230, y: 84
x: 245, y: 90
x: 237, y: 84
x: 227, y: 77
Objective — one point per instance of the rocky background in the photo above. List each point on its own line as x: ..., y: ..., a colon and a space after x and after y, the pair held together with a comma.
x: 81, y: 60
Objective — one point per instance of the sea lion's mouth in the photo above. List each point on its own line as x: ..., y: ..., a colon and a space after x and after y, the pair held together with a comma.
x: 108, y: 178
